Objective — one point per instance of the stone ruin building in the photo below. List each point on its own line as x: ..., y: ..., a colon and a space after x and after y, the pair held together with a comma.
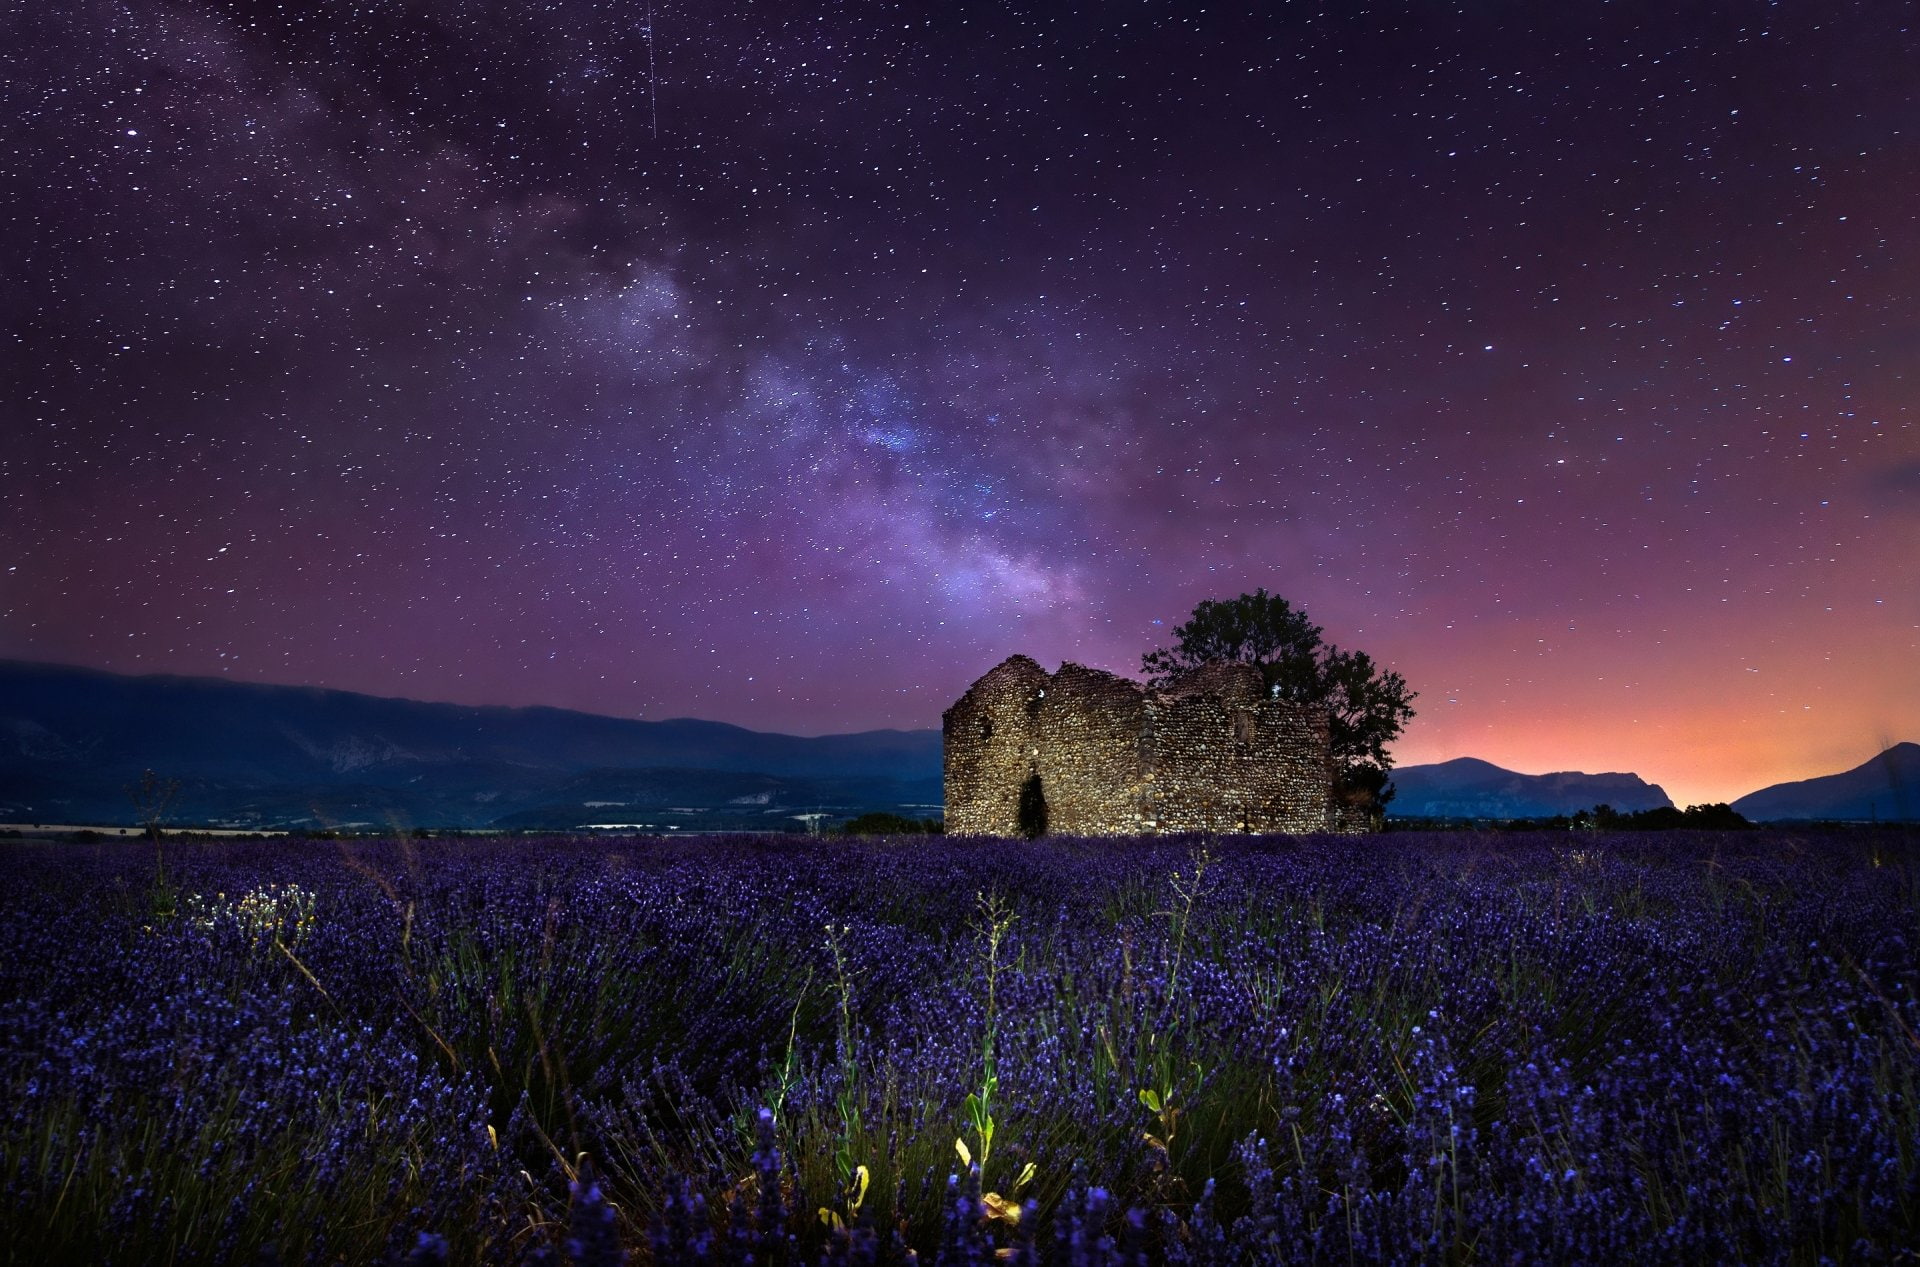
x: 1086, y: 753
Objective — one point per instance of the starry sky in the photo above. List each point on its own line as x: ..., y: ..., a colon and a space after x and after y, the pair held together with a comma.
x: 792, y: 364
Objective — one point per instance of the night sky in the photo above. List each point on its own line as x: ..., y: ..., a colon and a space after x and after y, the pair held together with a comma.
x: 792, y: 364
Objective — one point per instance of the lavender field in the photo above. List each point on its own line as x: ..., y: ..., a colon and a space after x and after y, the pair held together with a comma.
x: 1660, y: 1048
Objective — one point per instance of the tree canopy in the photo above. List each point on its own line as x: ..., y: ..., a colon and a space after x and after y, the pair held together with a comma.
x: 1366, y: 705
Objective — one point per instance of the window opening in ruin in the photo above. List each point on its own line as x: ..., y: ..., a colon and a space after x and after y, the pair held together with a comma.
x: 1034, y: 702
x: 986, y: 727
x: 1243, y: 729
x: 1033, y: 808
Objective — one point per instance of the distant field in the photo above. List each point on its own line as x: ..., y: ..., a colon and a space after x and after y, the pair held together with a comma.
x: 1674, y: 1048
x: 127, y: 833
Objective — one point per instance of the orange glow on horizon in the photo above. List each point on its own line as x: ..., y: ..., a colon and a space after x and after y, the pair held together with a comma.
x: 1705, y: 716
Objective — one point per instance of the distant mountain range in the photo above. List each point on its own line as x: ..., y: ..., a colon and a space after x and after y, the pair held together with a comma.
x: 1470, y: 788
x: 250, y: 755
x: 1885, y: 788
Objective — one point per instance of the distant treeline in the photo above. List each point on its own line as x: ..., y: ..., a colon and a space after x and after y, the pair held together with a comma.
x: 1717, y: 817
x: 884, y: 824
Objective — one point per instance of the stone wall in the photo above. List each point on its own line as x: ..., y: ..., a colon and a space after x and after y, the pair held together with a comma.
x: 1225, y: 757
x: 985, y: 740
x: 1078, y: 730
x: 1111, y: 757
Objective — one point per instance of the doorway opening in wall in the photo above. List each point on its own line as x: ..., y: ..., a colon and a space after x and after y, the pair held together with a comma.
x: 1033, y: 808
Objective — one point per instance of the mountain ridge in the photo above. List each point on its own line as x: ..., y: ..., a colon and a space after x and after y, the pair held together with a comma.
x: 256, y: 754
x: 1884, y: 788
x: 1470, y: 787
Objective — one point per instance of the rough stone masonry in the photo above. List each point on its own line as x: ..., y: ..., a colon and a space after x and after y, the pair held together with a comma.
x: 1086, y: 753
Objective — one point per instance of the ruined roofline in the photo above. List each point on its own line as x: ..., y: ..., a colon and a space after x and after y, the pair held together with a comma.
x: 1026, y: 667
x: 1228, y: 680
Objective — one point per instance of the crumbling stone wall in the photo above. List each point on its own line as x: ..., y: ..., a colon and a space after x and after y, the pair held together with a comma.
x: 1077, y: 730
x: 1111, y: 757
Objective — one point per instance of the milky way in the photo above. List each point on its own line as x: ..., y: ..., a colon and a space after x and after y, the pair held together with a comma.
x: 790, y: 365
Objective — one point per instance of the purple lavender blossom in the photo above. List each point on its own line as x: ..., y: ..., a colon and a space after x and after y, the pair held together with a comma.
x: 1413, y: 1048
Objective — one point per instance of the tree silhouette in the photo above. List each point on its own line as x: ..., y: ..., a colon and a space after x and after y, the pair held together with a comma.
x: 1366, y: 706
x: 153, y: 799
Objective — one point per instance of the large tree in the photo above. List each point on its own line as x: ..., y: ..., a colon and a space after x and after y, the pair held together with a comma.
x: 1366, y: 706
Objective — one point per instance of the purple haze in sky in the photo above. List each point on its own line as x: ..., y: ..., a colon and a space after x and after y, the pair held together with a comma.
x: 791, y: 365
